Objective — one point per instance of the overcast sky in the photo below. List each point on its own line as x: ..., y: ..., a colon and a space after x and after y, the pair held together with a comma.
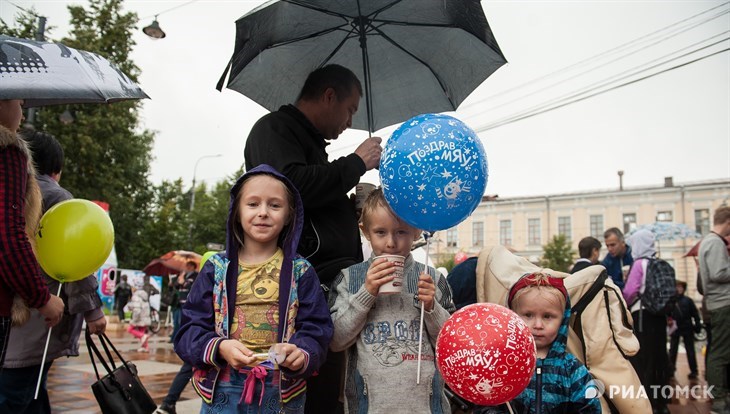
x: 673, y: 124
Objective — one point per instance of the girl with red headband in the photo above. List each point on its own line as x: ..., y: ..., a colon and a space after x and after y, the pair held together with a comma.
x: 561, y: 383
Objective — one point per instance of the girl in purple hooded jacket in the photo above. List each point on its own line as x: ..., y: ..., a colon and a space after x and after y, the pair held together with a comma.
x: 256, y: 323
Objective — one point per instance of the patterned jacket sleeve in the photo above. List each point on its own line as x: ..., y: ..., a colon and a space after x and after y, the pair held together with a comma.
x: 313, y: 325
x: 197, y: 342
x: 19, y: 269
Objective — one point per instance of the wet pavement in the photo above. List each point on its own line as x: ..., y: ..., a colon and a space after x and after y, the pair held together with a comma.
x: 70, y: 379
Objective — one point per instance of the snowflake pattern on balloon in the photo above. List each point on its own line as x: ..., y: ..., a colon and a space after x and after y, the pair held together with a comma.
x: 433, y: 171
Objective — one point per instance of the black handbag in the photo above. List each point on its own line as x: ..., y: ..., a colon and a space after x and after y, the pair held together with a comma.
x: 120, y: 391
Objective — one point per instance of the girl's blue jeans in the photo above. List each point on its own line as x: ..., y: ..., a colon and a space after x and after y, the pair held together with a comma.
x: 228, y: 394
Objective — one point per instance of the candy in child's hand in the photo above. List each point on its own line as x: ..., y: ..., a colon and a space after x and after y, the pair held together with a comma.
x: 275, y: 356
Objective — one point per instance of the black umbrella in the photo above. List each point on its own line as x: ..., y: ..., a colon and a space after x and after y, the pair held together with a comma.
x: 413, y: 56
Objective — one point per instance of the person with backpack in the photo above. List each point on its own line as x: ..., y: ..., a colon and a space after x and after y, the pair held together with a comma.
x: 122, y: 294
x: 684, y: 313
x: 649, y: 301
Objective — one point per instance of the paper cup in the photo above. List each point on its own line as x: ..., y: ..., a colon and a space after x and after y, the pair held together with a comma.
x: 396, y: 285
x: 361, y: 193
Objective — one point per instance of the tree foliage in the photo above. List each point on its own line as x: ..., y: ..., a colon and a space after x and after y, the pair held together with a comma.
x: 557, y: 254
x: 108, y: 154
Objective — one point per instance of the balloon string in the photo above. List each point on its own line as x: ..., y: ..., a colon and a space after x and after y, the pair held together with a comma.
x: 45, y: 350
x: 427, y: 236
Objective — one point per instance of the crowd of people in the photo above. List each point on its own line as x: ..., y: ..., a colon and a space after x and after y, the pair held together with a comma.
x: 292, y: 318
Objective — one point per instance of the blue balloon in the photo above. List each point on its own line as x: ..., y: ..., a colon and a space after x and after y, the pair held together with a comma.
x: 433, y: 171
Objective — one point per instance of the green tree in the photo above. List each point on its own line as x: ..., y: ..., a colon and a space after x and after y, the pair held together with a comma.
x: 166, y: 226
x: 211, y: 212
x: 107, y: 155
x: 557, y: 254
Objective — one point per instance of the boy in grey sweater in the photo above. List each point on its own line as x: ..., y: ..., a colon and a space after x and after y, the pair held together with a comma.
x: 380, y: 331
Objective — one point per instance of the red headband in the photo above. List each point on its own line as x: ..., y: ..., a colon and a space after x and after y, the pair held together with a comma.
x: 530, y: 279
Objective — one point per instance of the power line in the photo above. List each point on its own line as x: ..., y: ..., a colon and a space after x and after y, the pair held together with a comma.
x: 170, y: 9
x: 603, y: 66
x: 598, y: 56
x: 520, y: 117
x: 637, y: 70
x: 24, y: 10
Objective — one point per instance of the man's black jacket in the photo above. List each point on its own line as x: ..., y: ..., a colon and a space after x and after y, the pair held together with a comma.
x: 287, y: 141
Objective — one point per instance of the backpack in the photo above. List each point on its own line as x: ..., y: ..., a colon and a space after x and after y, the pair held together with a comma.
x: 601, y: 327
x: 660, y: 287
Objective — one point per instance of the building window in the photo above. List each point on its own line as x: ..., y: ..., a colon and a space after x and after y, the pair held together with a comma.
x: 629, y: 222
x: 505, y: 232
x: 664, y: 216
x: 702, y: 221
x: 597, y: 226
x: 564, y: 227
x: 452, y: 237
x: 477, y: 234
x: 533, y: 231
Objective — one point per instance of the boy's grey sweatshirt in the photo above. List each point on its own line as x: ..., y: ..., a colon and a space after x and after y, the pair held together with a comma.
x: 380, y: 334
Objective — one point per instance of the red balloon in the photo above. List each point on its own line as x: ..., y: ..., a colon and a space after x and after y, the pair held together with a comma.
x: 486, y: 354
x: 460, y: 257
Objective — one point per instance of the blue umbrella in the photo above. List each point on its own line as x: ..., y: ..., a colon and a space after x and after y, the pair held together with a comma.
x: 668, y: 231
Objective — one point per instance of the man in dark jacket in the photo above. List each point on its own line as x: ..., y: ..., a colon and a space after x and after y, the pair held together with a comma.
x: 683, y: 314
x: 619, y: 255
x: 293, y: 141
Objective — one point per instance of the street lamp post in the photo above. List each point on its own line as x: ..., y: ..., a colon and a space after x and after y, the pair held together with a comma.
x: 192, y: 196
x: 195, y: 171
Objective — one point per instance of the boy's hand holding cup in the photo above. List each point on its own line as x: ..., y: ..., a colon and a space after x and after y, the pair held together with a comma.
x: 385, y: 275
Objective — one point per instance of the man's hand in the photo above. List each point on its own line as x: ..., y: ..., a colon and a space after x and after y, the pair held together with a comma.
x: 236, y: 354
x: 380, y: 272
x: 52, y: 311
x: 370, y: 151
x: 98, y: 326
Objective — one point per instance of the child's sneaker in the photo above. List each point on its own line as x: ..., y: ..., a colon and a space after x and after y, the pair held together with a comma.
x: 143, y: 350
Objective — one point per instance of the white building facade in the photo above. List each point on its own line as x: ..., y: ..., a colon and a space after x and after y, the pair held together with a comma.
x: 525, y: 224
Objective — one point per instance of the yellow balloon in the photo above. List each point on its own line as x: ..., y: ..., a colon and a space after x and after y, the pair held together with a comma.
x: 205, y: 258
x: 74, y: 240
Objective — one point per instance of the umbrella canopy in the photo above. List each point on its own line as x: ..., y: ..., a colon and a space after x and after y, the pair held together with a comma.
x: 43, y: 73
x: 412, y: 57
x: 667, y: 231
x: 695, y: 250
x: 172, y: 262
